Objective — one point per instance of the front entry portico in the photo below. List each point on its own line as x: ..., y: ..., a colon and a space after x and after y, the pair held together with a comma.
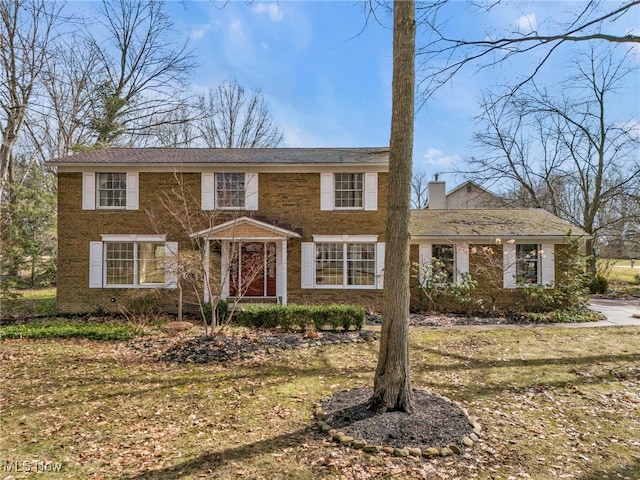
x: 252, y: 259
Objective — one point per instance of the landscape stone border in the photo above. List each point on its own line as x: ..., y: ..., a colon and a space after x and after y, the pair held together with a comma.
x: 342, y: 439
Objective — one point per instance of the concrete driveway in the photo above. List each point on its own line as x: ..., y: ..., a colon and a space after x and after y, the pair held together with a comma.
x: 618, y: 312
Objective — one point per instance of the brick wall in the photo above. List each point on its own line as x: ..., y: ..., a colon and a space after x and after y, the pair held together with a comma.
x: 290, y: 198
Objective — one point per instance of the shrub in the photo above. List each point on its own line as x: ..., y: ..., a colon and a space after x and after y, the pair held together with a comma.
x: 301, y: 317
x: 68, y: 329
x: 636, y: 278
x: 599, y: 284
x: 222, y: 310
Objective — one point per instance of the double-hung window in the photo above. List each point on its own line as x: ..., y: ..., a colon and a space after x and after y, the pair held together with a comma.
x: 443, y: 258
x: 527, y: 263
x: 230, y: 190
x: 111, y: 190
x: 348, y: 190
x: 345, y: 264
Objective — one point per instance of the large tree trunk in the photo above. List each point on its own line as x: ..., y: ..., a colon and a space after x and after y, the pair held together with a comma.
x: 392, y: 383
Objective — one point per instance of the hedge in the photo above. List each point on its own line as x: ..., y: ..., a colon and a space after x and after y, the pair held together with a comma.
x: 301, y: 317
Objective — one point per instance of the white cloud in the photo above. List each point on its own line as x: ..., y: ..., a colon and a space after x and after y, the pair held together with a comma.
x: 236, y: 32
x: 199, y: 32
x: 438, y: 158
x: 271, y: 9
x: 527, y: 23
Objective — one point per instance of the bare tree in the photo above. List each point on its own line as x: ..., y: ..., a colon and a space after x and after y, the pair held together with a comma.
x: 230, y: 117
x: 565, y: 153
x: 445, y: 53
x: 26, y: 35
x: 392, y: 381
x: 419, y: 190
x: 143, y: 70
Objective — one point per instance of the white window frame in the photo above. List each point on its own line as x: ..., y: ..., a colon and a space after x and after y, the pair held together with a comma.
x: 369, y: 191
x: 537, y: 260
x: 98, y: 261
x: 209, y: 194
x: 91, y: 191
x: 242, y: 197
x: 460, y: 258
x: 355, y: 178
x: 99, y: 205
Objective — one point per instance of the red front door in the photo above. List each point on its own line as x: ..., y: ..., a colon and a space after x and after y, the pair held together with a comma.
x: 253, y: 269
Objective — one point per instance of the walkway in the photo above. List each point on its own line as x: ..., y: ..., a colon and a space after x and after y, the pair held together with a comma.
x: 618, y: 312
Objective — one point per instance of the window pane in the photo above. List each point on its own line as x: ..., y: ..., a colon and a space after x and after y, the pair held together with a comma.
x: 329, y: 264
x: 527, y: 263
x: 361, y: 264
x: 112, y: 189
x: 150, y: 263
x: 230, y: 190
x: 445, y: 255
x: 348, y: 190
x: 119, y: 263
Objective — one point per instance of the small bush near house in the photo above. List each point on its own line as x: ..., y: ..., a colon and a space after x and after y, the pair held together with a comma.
x: 301, y: 317
x: 222, y: 309
x: 68, y: 329
x: 599, y: 285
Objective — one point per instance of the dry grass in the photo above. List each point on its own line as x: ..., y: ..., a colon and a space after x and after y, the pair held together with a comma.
x: 556, y: 403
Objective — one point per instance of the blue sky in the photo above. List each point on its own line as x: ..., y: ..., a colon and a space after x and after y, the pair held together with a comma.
x: 327, y: 76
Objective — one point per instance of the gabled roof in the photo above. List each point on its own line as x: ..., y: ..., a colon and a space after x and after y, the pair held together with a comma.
x: 242, y: 156
x: 490, y: 223
x: 471, y: 183
x: 245, y: 228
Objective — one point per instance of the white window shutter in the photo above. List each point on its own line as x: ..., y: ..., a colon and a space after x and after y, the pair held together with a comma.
x: 462, y: 260
x: 95, y: 264
x: 379, y: 265
x: 308, y: 259
x: 132, y: 191
x: 371, y: 191
x: 251, y: 191
x: 88, y: 191
x: 326, y: 191
x: 509, y: 265
x: 206, y: 193
x: 547, y: 264
x: 171, y: 265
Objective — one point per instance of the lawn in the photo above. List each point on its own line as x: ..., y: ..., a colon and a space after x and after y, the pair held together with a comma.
x: 554, y: 402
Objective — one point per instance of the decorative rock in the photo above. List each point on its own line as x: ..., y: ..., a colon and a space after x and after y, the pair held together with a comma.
x: 358, y: 444
x: 414, y: 452
x: 321, y: 415
x: 431, y: 452
x: 446, y: 452
x: 467, y: 442
x: 474, y: 437
x: 372, y: 448
x: 477, y: 428
x: 446, y: 399
x: 345, y: 439
x: 455, y: 449
x: 400, y: 452
x: 336, y: 436
x: 271, y: 350
x: 173, y: 327
x: 388, y: 450
x: 326, y: 427
x: 320, y: 424
x: 332, y: 431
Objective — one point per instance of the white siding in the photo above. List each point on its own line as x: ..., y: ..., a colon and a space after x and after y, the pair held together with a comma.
x: 509, y: 265
x: 425, y: 253
x: 326, y: 191
x: 251, y: 191
x: 371, y: 191
x: 547, y: 265
x: 88, y: 191
x: 462, y: 260
x: 308, y: 258
x: 207, y: 183
x: 95, y: 264
x: 132, y: 191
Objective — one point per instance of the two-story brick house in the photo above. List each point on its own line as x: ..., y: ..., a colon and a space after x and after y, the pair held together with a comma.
x: 317, y: 215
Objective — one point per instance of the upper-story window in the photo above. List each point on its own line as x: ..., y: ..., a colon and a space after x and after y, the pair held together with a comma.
x: 230, y: 190
x: 348, y: 190
x: 111, y: 189
x: 527, y: 263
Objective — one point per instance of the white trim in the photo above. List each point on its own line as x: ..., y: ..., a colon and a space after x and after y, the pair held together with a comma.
x: 547, y: 264
x: 509, y: 265
x: 345, y: 238
x: 88, y: 190
x: 95, y: 264
x: 133, y: 238
x: 171, y: 265
x: 371, y: 191
x: 278, y: 231
x: 425, y: 255
x: 281, y: 271
x: 132, y: 180
x: 461, y: 260
x: 308, y: 262
x: 380, y: 252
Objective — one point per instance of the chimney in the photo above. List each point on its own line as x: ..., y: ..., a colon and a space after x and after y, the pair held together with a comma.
x: 437, y: 196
